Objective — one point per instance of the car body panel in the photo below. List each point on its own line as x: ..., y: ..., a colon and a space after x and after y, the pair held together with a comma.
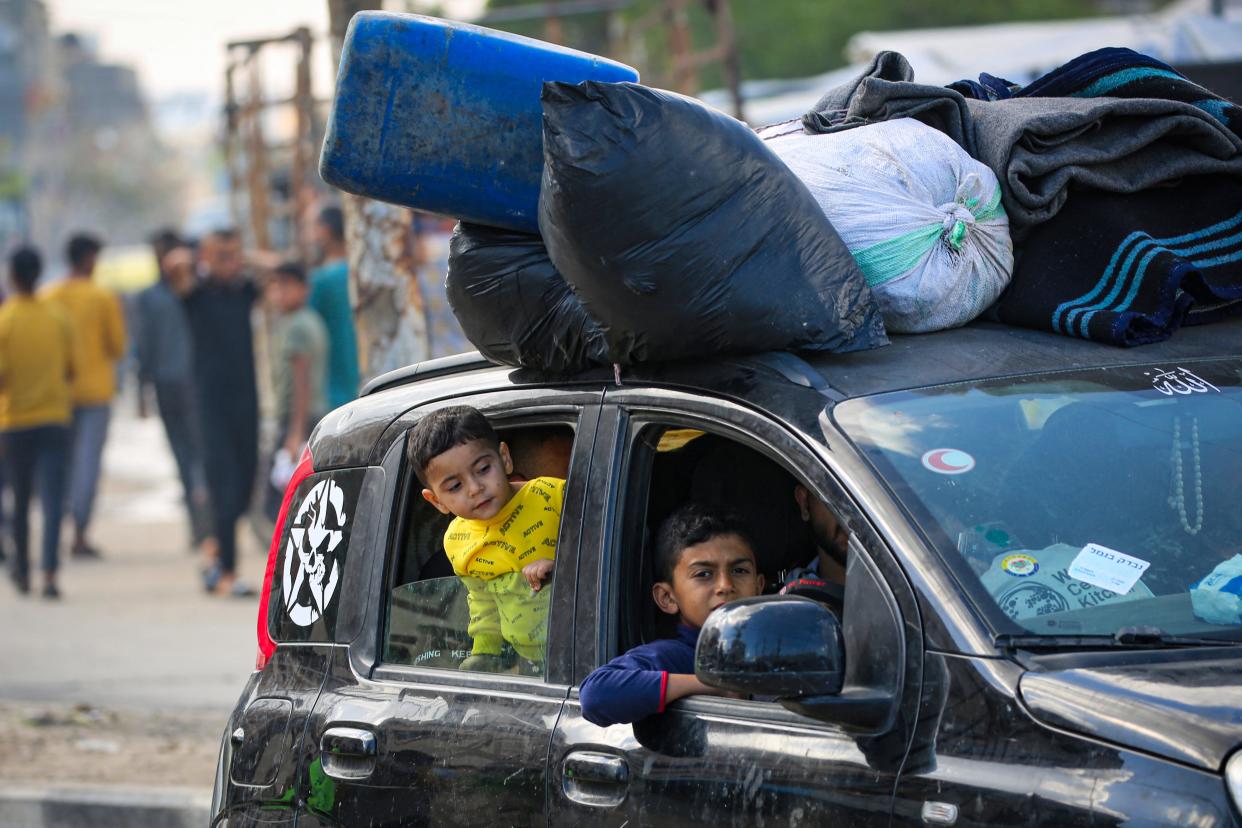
x: 986, y: 350
x: 291, y: 681
x: 1182, y: 704
x: 995, y: 765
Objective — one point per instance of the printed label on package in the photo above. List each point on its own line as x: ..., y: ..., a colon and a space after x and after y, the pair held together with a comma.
x: 1107, y: 568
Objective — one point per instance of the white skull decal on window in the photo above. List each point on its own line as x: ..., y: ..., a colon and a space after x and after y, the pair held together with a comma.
x: 316, y: 532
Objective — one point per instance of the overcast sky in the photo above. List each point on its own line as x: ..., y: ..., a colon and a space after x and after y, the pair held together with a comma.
x: 178, y: 45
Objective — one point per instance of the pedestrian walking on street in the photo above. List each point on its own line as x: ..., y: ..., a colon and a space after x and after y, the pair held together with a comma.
x: 165, y: 351
x: 301, y: 353
x: 94, y: 315
x: 4, y: 483
x: 329, y: 297
x: 36, y: 368
x: 218, y: 307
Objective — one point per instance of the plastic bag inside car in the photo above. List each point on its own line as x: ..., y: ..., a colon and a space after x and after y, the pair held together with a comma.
x: 514, y: 306
x: 683, y: 235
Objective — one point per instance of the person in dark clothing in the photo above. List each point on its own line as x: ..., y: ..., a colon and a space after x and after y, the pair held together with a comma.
x: 164, y: 348
x: 823, y: 576
x: 703, y: 560
x: 218, y: 308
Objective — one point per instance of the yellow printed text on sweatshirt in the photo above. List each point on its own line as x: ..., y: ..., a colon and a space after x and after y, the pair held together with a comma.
x: 522, y: 532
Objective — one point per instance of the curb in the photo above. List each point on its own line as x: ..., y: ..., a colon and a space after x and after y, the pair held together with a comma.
x: 102, y: 806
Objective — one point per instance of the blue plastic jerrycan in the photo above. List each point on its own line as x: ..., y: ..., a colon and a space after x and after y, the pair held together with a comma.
x: 445, y: 116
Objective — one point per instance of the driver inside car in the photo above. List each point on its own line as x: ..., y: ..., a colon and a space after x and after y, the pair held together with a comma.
x: 822, y: 577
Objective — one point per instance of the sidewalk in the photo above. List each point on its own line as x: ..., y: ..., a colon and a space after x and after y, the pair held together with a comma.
x: 127, y: 680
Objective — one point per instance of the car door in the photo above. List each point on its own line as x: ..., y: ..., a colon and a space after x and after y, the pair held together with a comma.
x: 728, y: 761
x: 406, y: 738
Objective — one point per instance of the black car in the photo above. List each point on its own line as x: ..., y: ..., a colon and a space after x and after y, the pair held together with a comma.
x: 1019, y: 642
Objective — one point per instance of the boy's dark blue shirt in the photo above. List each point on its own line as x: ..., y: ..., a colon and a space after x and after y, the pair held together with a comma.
x: 632, y: 686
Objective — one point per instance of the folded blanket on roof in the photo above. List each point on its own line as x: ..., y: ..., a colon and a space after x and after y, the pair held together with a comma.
x: 1039, y: 146
x: 884, y: 91
x: 1113, y: 73
x: 1131, y: 269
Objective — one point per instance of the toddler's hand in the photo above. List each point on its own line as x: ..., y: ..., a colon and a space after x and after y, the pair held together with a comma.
x: 536, y: 573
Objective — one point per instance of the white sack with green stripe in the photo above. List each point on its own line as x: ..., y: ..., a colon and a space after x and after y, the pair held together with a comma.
x: 922, y: 218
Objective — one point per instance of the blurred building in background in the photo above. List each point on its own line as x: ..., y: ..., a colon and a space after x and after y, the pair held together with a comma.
x: 27, y: 89
x: 78, y: 150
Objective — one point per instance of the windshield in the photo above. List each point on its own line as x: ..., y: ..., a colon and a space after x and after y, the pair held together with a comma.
x: 1076, y: 503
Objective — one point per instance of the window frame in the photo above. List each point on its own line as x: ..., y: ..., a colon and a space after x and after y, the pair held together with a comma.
x: 506, y: 409
x: 633, y: 486
x: 626, y: 414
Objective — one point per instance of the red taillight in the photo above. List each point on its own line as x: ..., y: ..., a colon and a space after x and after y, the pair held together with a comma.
x: 266, y: 645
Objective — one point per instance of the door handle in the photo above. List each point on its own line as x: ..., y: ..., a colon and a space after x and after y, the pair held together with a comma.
x: 593, y: 778
x: 348, y: 753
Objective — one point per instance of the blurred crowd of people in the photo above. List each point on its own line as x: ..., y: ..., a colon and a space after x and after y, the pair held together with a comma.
x: 191, y: 336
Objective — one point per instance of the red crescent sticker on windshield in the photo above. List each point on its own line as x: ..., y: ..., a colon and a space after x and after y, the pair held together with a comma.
x: 948, y: 461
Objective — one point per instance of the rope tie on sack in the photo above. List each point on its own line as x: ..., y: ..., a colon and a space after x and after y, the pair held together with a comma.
x: 887, y: 260
x: 956, y: 224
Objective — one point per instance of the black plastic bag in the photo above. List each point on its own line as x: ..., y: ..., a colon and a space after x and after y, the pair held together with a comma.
x: 683, y: 235
x: 513, y: 305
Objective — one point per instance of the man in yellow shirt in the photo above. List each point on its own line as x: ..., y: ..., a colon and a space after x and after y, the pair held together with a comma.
x: 35, y: 370
x: 94, y: 315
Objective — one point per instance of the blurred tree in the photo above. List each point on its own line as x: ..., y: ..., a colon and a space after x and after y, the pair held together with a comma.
x: 388, y: 308
x: 786, y: 38
x: 591, y: 31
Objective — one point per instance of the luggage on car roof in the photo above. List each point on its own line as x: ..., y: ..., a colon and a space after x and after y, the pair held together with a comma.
x: 443, y: 116
x: 514, y: 306
x: 685, y: 236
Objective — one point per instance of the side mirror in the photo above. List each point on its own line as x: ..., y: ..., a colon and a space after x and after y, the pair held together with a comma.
x: 772, y: 645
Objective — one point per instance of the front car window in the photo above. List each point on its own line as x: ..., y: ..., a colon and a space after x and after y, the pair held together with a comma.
x: 1076, y: 503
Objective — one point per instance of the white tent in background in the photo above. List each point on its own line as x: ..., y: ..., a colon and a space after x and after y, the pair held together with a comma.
x: 1185, y: 32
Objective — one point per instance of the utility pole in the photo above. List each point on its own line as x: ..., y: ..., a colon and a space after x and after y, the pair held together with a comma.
x: 383, y: 281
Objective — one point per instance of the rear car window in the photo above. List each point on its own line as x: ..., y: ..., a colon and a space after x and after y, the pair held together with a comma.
x: 1078, y: 502
x: 438, y: 618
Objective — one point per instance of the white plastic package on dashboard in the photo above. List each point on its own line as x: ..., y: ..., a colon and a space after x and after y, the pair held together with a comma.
x: 1217, y: 598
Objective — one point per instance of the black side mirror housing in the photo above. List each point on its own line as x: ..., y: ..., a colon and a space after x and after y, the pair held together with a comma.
x: 772, y: 645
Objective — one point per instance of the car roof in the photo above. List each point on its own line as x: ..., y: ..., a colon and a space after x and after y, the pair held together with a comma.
x: 980, y: 350
x: 983, y: 350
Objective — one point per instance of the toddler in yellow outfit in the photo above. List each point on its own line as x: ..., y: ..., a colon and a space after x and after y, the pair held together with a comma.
x: 502, y: 541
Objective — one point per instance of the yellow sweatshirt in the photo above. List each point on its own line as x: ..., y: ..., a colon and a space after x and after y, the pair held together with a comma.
x: 35, y: 354
x: 489, y: 555
x: 94, y: 316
